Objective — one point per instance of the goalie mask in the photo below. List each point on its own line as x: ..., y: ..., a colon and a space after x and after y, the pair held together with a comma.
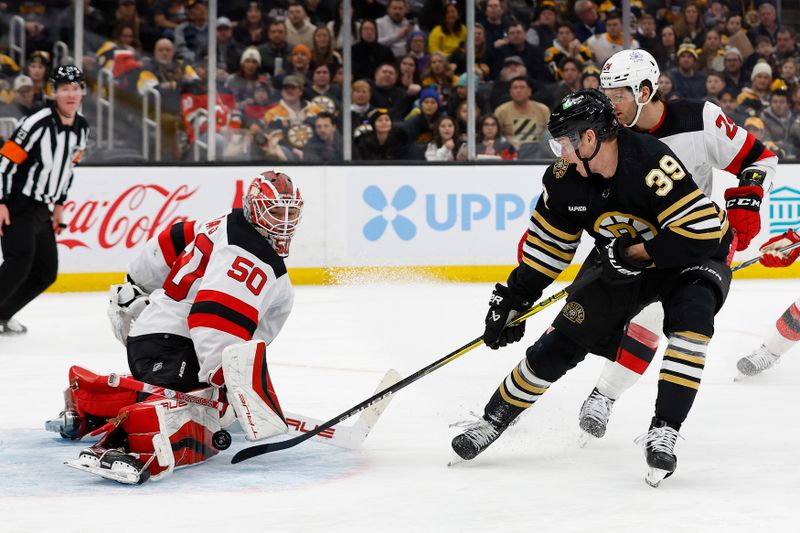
x: 274, y: 206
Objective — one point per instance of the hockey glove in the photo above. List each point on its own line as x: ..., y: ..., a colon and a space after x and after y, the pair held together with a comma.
x: 617, y: 266
x: 771, y: 257
x: 743, y: 204
x: 504, y: 306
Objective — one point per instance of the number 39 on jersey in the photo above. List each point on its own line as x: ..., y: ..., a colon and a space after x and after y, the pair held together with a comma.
x: 662, y: 178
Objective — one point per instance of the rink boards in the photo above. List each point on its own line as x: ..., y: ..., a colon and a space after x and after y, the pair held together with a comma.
x: 457, y: 223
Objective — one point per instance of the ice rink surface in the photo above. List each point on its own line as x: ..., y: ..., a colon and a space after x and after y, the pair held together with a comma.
x: 738, y: 469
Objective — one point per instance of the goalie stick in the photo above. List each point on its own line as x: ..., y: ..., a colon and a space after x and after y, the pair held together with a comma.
x: 347, y: 437
x: 260, y: 449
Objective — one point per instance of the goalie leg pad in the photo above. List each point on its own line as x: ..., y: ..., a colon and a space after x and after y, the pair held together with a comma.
x: 165, y: 434
x: 178, y: 434
x: 88, y: 402
x: 250, y: 390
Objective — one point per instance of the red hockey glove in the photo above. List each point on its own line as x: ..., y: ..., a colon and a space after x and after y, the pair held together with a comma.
x: 743, y: 204
x: 771, y: 257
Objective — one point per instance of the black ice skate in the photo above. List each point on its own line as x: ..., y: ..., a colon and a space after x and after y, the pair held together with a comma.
x: 68, y: 424
x: 659, y: 449
x: 594, y: 416
x: 114, y: 464
x: 476, y: 438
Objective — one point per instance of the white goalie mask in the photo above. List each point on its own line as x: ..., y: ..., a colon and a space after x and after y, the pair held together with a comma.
x: 629, y: 68
x: 274, y: 206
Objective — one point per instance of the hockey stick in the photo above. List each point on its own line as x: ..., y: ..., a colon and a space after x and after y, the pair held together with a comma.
x: 753, y: 261
x: 260, y: 449
x: 348, y: 437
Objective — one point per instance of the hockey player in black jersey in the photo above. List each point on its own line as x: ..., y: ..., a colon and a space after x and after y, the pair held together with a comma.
x: 658, y: 238
x: 704, y: 139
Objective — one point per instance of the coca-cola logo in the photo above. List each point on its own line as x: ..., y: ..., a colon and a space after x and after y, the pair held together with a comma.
x: 138, y: 214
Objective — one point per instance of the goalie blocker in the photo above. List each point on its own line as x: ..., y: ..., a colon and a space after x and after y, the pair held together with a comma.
x: 148, y: 440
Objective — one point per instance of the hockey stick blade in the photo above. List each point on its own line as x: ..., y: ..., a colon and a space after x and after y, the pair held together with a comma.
x: 260, y: 449
x: 345, y: 437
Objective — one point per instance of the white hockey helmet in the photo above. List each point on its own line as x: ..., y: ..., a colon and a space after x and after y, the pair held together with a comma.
x: 629, y: 68
x: 274, y: 206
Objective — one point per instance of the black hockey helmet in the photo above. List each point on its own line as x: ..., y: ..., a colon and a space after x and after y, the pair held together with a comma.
x: 587, y: 109
x: 67, y: 74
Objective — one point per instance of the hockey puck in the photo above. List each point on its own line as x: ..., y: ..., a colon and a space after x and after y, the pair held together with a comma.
x: 221, y: 440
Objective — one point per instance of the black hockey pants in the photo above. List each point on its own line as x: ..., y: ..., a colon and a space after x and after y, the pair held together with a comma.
x: 30, y: 257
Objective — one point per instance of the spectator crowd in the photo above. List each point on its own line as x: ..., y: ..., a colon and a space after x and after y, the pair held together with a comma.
x: 279, y: 70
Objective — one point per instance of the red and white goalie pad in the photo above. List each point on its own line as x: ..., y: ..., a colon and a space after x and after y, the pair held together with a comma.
x: 88, y: 402
x: 167, y: 434
x: 250, y: 390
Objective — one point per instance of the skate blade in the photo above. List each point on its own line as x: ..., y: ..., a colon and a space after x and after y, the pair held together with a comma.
x: 127, y: 478
x: 455, y: 460
x: 585, y: 438
x: 56, y: 425
x: 655, y: 476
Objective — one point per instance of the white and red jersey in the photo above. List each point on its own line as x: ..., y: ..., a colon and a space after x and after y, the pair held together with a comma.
x: 151, y: 267
x: 704, y: 138
x: 227, y: 285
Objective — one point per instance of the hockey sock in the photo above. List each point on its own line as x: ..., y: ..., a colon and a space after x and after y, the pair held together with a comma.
x: 634, y: 355
x: 679, y: 379
x: 786, y: 332
x: 517, y: 392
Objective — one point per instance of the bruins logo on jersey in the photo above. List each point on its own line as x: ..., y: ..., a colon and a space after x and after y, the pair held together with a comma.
x: 560, y: 167
x: 325, y: 103
x: 574, y: 312
x: 299, y: 135
x: 613, y: 224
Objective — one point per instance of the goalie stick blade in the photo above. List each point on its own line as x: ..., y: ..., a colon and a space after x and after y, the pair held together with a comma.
x: 346, y: 437
x: 369, y: 417
x: 363, y: 426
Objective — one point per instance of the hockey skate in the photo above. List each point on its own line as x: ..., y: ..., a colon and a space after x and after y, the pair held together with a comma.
x: 755, y: 363
x: 477, y: 436
x: 113, y: 464
x: 68, y: 424
x: 11, y: 327
x: 594, y: 416
x: 659, y: 449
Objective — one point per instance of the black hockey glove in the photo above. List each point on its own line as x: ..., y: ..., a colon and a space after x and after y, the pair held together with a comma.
x: 504, y: 306
x: 617, y: 266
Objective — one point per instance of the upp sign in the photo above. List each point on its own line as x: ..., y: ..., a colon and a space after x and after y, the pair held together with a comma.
x: 441, y: 212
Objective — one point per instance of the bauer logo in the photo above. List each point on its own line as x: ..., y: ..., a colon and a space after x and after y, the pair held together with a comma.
x: 408, y: 214
x: 784, y: 210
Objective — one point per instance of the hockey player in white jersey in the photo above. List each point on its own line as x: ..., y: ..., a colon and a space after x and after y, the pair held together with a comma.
x: 786, y: 332
x: 197, y: 289
x: 704, y: 138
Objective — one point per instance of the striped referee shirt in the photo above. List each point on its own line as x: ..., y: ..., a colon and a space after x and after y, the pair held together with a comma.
x: 38, y: 160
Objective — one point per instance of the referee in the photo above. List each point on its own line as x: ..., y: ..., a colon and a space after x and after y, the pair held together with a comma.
x: 36, y: 171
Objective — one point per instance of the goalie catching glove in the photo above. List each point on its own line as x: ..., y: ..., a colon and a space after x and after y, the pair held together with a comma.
x: 126, y: 302
x: 504, y: 306
x: 771, y: 257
